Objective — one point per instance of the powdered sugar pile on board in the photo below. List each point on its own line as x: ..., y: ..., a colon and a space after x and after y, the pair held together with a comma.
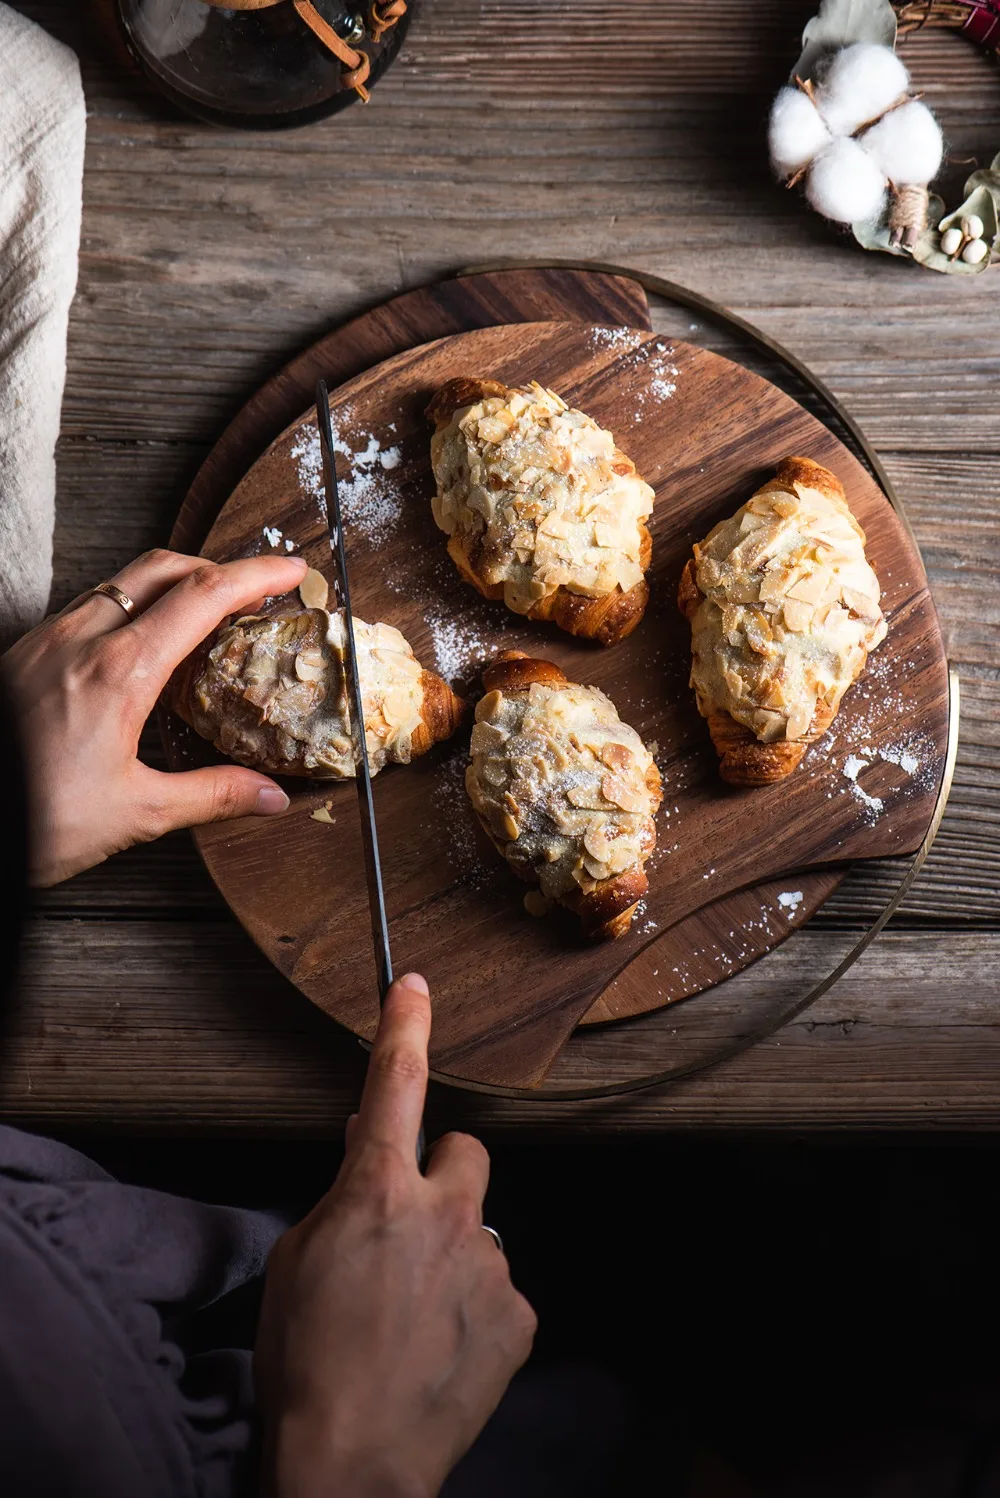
x: 623, y: 340
x: 664, y: 382
x: 855, y: 745
x: 636, y: 352
x: 460, y: 648
x: 371, y: 503
x: 909, y: 756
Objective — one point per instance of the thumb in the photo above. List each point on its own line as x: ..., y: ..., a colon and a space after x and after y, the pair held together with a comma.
x: 216, y: 794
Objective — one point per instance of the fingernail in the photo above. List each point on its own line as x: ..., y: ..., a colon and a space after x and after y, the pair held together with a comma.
x: 415, y: 983
x: 300, y: 562
x: 271, y: 800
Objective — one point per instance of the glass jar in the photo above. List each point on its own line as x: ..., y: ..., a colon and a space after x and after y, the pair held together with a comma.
x: 256, y: 63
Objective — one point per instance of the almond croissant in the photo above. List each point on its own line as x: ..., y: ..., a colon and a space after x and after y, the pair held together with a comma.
x: 270, y: 692
x: 540, y: 507
x: 784, y: 608
x: 566, y: 791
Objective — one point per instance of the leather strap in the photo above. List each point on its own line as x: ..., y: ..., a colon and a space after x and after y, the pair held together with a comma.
x: 382, y: 17
x: 357, y: 65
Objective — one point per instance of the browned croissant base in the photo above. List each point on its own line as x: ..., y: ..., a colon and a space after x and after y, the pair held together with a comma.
x: 743, y: 759
x: 608, y: 619
x: 232, y: 722
x: 605, y: 911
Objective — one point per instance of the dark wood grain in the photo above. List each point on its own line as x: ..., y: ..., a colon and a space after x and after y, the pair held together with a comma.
x: 703, y: 447
x: 210, y: 1036
x: 210, y: 258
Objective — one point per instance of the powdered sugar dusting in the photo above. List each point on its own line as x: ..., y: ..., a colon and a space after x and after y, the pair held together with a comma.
x: 653, y: 357
x: 453, y: 812
x: 904, y: 756
x: 790, y: 900
x: 371, y: 502
x: 643, y: 923
x: 853, y: 765
x: 622, y: 339
x: 459, y: 647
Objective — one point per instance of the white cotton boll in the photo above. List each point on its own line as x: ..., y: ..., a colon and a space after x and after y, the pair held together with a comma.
x: 906, y: 145
x: 844, y: 184
x: 861, y: 83
x: 796, y: 133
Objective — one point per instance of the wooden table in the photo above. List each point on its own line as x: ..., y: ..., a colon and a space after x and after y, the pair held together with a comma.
x: 625, y: 130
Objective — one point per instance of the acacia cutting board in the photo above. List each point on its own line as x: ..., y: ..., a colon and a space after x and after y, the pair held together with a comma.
x: 509, y: 989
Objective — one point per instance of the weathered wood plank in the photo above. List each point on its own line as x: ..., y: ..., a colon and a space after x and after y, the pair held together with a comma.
x: 116, y: 1028
x: 210, y: 255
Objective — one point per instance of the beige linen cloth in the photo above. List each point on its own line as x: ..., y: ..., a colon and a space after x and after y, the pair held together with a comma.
x: 42, y: 126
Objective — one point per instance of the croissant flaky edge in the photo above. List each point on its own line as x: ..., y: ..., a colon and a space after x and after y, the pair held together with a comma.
x: 607, y: 620
x: 441, y: 711
x: 743, y: 759
x: 606, y: 911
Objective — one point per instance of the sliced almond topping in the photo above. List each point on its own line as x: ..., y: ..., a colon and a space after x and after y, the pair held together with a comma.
x: 489, y: 706
x: 597, y: 842
x: 314, y: 590
x: 536, y: 904
x: 260, y: 694
x: 798, y: 721
x: 797, y: 615
x: 758, y: 632
x: 309, y: 666
x: 487, y: 737
x: 810, y: 589
x: 621, y: 794
x: 588, y: 798
x: 397, y: 707
x: 510, y: 827
x: 865, y: 607
x: 617, y: 757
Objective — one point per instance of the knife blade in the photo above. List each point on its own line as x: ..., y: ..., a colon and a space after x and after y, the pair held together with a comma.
x: 355, y: 705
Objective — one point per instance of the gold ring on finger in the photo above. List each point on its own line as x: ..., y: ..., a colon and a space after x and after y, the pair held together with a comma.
x: 109, y: 590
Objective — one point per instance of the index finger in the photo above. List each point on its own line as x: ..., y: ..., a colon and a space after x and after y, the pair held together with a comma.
x: 392, y: 1103
x: 185, y: 615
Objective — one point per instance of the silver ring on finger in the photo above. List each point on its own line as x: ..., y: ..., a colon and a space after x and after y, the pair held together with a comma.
x: 110, y: 590
x: 494, y: 1235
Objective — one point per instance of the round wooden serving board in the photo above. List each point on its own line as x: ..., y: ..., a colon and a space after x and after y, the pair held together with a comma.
x: 509, y: 989
x: 733, y: 931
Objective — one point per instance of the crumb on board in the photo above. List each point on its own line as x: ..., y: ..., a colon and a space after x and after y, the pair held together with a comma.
x: 322, y: 814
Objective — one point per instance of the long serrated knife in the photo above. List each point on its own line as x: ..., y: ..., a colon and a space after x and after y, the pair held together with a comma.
x: 355, y: 706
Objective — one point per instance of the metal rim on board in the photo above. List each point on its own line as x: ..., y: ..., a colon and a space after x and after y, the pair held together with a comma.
x: 694, y: 300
